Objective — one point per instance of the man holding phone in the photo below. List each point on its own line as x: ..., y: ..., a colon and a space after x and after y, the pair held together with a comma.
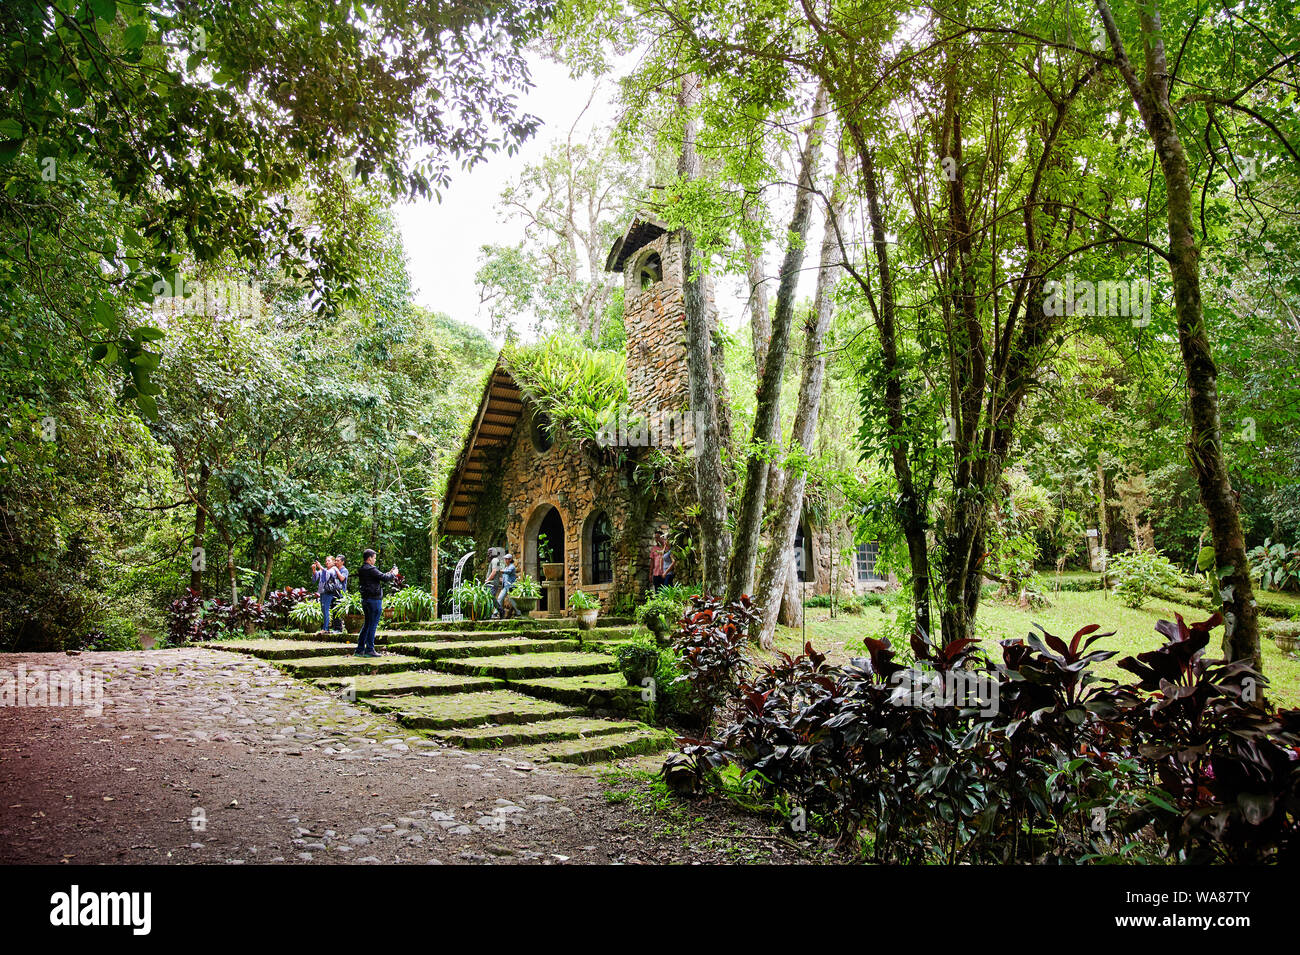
x: 371, y: 585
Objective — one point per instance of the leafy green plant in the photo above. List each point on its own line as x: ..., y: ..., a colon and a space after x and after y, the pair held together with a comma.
x: 1140, y: 574
x: 410, y: 604
x: 581, y: 600
x: 527, y: 587
x: 475, y: 600
x: 307, y: 614
x: 1275, y: 565
x: 660, y: 613
x: 348, y: 605
x: 637, y: 661
x: 545, y: 549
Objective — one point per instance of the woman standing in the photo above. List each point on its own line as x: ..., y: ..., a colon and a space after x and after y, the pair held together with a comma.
x: 328, y: 586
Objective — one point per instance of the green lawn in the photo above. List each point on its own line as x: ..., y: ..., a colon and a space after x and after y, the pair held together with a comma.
x: 1134, y: 632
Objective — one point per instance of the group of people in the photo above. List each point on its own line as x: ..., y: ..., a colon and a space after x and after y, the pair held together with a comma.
x: 332, y: 582
x: 502, y: 575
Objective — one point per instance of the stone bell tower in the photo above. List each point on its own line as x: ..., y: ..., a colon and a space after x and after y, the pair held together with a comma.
x: 654, y: 314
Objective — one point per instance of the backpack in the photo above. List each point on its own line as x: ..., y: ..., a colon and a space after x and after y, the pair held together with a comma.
x: 334, y: 587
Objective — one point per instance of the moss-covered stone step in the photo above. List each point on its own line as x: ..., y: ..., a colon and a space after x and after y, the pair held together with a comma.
x: 471, y: 626
x: 313, y: 636
x: 475, y: 636
x: 598, y: 691
x: 523, y: 666
x: 462, y: 710
x: 491, y: 736
x: 597, y: 749
x: 442, y: 650
x: 348, y: 665
x: 280, y: 649
x: 516, y: 623
x: 408, y: 683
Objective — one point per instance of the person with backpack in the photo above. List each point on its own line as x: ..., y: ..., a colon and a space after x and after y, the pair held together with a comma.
x: 328, y: 586
x: 340, y: 566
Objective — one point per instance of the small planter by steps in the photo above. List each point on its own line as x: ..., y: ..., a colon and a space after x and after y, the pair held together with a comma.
x: 1286, y: 634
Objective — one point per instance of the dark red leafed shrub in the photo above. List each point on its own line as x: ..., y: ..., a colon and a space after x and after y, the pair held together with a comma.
x: 710, y: 639
x: 278, y: 603
x: 1030, y: 759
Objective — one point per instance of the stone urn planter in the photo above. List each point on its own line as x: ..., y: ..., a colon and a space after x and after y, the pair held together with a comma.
x: 353, y: 622
x: 586, y: 618
x: 526, y: 605
x: 553, y: 571
x: 638, y: 664
x: 1286, y: 634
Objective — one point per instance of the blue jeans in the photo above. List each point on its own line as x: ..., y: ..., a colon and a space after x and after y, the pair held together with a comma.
x: 326, y: 601
x: 372, y: 608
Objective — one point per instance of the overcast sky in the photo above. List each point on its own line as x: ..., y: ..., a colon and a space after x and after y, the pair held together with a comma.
x: 443, y: 239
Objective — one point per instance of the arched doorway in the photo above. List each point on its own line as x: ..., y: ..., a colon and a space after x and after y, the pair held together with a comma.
x: 545, y: 528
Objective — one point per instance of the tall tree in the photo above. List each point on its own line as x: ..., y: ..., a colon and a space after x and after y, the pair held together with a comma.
x: 767, y: 423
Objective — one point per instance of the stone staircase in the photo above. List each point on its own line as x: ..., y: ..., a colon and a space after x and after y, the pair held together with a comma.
x: 538, y: 690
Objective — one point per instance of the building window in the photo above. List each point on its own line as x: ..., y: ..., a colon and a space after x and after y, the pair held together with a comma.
x: 866, y: 561
x: 651, y: 271
x: 804, y: 568
x: 539, y: 431
x: 601, y: 550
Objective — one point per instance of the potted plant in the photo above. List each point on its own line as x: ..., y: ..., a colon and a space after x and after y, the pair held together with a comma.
x: 551, y: 568
x: 638, y: 662
x: 306, y: 615
x: 585, y: 607
x: 474, y: 598
x: 349, y: 608
x: 659, y: 615
x: 525, y: 593
x: 412, y: 604
x: 1286, y: 634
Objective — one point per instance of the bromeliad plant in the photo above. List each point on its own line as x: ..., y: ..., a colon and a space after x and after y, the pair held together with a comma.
x: 526, y: 587
x: 410, y: 604
x: 307, y: 614
x: 475, y: 599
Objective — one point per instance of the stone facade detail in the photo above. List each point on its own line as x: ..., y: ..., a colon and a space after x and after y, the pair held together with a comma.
x: 580, y: 484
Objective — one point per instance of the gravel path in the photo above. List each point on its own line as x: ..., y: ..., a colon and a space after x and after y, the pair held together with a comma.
x: 205, y: 757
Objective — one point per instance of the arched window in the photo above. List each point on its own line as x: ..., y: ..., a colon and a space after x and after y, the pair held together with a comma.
x: 600, y: 550
x: 651, y: 271
x: 539, y: 431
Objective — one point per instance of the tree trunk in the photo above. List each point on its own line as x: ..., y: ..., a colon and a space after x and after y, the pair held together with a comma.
x: 1205, y: 445
x: 709, y: 482
x: 200, y: 527
x: 777, y: 572
x: 767, y: 421
x: 911, y: 505
x: 266, y: 579
x: 230, y: 569
x: 791, y: 601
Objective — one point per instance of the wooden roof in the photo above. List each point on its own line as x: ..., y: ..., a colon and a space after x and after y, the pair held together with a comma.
x: 499, y: 411
x: 639, y: 233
